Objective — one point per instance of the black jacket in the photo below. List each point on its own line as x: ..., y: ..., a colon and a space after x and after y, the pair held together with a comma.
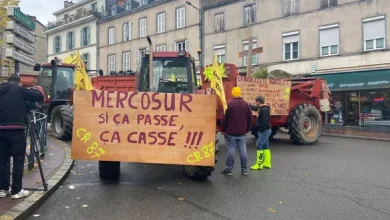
x: 263, y: 118
x: 13, y: 98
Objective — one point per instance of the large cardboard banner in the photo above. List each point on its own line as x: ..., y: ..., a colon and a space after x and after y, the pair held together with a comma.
x: 163, y: 128
x: 275, y: 91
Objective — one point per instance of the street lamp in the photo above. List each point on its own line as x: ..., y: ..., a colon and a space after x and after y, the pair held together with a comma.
x: 190, y: 4
x: 200, y: 32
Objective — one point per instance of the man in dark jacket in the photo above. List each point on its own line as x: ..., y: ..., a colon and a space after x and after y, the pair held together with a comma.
x: 13, y: 99
x: 263, y: 126
x: 236, y: 124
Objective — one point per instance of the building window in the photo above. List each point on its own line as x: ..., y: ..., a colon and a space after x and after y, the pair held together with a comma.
x: 160, y: 48
x: 127, y: 31
x: 85, y: 36
x: 94, y: 7
x: 70, y: 41
x: 126, y: 61
x: 86, y: 59
x: 220, y: 52
x: 181, y: 17
x: 111, y: 63
x: 374, y: 33
x: 113, y: 9
x: 181, y: 45
x: 328, y: 3
x: 249, y: 14
x: 128, y: 4
x: 138, y: 57
x: 291, y: 46
x: 142, y: 27
x: 254, y: 56
x: 143, y: 2
x: 290, y: 7
x: 329, y: 40
x: 219, y: 22
x: 161, y: 23
x: 111, y: 36
x: 57, y: 44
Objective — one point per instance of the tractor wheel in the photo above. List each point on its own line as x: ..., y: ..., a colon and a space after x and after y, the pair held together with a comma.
x: 109, y: 170
x: 304, y: 124
x: 62, y: 122
x: 199, y: 173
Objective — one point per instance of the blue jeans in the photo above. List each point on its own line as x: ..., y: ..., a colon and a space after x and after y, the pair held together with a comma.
x: 263, y: 139
x: 232, y: 142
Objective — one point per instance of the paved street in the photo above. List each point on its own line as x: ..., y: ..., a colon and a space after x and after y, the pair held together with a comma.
x: 334, y: 179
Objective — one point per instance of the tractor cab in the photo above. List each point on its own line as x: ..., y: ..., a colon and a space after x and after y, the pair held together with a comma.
x: 173, y: 72
x: 57, y: 80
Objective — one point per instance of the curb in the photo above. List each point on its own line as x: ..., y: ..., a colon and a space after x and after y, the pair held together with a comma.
x: 356, y: 137
x: 24, y: 209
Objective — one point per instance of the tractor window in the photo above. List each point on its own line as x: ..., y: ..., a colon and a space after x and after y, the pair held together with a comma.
x: 65, y: 75
x: 170, y: 75
x: 65, y: 80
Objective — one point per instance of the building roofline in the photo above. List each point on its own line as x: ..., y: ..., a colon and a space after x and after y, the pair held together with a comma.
x: 80, y: 3
x: 125, y: 13
x: 220, y: 4
x: 40, y: 23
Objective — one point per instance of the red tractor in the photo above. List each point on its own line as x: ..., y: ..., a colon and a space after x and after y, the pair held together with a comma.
x: 305, y: 120
x: 56, y: 82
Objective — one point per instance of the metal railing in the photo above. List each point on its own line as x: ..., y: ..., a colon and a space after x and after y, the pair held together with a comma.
x: 83, y: 13
x: 36, y: 130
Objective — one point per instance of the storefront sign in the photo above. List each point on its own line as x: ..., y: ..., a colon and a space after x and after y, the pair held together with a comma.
x: 163, y: 128
x: 275, y: 91
x: 379, y: 99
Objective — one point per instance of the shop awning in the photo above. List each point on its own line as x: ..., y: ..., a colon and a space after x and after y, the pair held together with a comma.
x: 373, y: 79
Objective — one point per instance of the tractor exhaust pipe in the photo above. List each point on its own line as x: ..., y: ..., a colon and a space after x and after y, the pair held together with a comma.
x: 150, y: 63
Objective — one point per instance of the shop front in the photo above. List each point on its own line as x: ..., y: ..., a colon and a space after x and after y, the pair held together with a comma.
x: 360, y: 99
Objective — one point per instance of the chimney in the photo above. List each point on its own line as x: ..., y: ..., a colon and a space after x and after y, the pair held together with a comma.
x: 67, y: 3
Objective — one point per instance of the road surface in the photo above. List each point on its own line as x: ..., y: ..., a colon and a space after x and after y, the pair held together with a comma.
x: 334, y: 179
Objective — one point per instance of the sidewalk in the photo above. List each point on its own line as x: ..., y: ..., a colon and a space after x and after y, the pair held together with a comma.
x: 55, y: 165
x: 349, y: 132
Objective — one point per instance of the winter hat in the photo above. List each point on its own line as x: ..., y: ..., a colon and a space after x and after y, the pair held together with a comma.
x: 236, y: 92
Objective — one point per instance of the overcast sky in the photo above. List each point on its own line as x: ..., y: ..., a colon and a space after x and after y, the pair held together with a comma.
x: 42, y: 9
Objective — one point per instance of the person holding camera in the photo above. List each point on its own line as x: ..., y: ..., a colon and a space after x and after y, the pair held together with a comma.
x: 13, y: 98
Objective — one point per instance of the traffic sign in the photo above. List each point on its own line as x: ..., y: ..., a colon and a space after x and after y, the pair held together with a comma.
x: 20, y: 44
x: 21, y: 18
x: 15, y: 55
x: 18, y: 30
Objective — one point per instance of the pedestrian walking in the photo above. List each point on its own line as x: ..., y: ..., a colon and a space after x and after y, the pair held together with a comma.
x: 13, y: 99
x: 263, y: 126
x: 236, y: 124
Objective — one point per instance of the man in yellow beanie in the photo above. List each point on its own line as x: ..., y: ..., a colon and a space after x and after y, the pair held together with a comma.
x: 236, y: 124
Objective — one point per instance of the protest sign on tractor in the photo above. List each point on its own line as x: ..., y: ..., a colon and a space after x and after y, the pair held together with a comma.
x: 144, y: 127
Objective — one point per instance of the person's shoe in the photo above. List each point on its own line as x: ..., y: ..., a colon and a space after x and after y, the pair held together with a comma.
x: 21, y: 194
x: 244, y: 172
x: 259, y: 161
x: 267, y: 159
x: 4, y: 193
x: 226, y: 172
